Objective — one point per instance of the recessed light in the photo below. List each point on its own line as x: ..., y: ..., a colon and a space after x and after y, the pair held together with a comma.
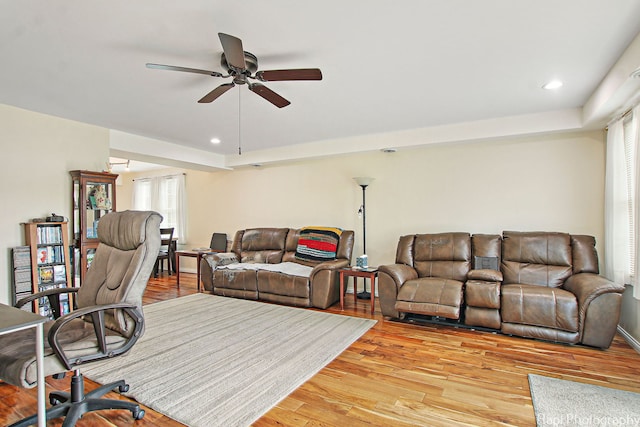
x: 553, y: 84
x: 215, y: 140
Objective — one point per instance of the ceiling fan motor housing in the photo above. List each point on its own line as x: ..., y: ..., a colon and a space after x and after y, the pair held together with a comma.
x: 240, y: 76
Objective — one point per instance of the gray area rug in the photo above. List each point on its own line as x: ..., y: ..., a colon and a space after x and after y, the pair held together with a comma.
x: 566, y: 403
x: 210, y: 361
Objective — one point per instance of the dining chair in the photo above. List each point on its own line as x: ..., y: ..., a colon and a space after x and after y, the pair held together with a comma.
x: 218, y: 242
x: 165, y: 252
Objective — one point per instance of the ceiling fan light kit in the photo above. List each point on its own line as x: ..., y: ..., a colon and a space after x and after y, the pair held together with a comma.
x: 242, y: 66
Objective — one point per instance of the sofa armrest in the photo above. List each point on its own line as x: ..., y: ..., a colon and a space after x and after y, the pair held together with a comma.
x: 599, y: 302
x: 335, y: 265
x: 220, y: 258
x: 588, y: 286
x: 208, y: 264
x: 325, y: 282
x: 390, y: 278
x: 400, y: 273
x: 485, y: 275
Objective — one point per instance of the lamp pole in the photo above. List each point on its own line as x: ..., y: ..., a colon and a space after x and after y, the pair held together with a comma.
x: 364, y: 220
x: 364, y: 183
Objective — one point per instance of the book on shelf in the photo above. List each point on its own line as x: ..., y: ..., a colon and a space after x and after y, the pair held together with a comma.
x: 22, y: 275
x: 50, y: 254
x: 21, y: 287
x: 44, y: 308
x: 49, y: 234
x: 45, y: 274
x: 21, y: 257
x: 43, y: 255
x: 59, y: 273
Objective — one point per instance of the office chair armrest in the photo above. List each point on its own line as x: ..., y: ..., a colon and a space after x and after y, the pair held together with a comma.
x: 53, y: 295
x: 96, y: 314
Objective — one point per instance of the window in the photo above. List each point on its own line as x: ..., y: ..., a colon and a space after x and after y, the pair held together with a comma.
x: 622, y: 213
x: 165, y: 195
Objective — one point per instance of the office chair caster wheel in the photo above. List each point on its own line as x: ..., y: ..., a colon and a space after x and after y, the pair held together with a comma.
x: 139, y: 414
x: 53, y: 401
x: 123, y: 388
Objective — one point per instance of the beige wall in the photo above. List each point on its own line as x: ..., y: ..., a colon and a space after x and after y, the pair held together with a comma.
x: 539, y: 183
x: 39, y: 151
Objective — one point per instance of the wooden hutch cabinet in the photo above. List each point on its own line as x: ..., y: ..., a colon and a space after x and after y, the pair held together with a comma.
x: 93, y: 195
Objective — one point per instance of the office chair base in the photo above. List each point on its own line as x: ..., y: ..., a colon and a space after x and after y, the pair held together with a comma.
x: 75, y: 404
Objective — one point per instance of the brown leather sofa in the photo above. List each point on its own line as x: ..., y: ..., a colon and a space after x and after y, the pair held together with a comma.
x: 222, y: 275
x: 546, y: 285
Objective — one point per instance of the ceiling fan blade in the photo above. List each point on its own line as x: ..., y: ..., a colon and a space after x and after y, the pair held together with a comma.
x: 233, y: 51
x: 294, y: 74
x: 217, y: 92
x: 269, y: 95
x: 188, y: 70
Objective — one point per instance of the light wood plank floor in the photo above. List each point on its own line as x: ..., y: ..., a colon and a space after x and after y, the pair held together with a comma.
x: 399, y: 375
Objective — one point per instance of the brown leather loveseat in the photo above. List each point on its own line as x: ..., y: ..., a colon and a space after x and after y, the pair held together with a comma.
x: 533, y: 284
x: 265, y: 264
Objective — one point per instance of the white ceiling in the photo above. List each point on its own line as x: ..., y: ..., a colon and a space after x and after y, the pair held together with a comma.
x: 389, y: 67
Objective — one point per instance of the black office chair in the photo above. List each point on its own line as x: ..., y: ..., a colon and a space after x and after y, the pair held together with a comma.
x: 218, y: 242
x: 108, y: 320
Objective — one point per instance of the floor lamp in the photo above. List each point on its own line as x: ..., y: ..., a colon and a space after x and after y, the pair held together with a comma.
x: 363, y: 182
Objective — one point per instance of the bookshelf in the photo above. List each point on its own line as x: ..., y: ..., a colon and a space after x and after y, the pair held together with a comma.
x: 93, y: 195
x: 22, y: 287
x: 48, y: 251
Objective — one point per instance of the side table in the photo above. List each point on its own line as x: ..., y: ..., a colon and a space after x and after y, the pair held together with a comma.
x: 193, y: 254
x: 366, y: 273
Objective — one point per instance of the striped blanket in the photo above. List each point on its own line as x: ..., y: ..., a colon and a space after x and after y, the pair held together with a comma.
x: 318, y: 243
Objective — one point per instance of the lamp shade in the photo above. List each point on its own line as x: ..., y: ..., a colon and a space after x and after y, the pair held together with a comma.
x: 363, y: 181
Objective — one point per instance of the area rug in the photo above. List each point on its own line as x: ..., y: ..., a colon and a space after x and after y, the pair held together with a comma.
x: 210, y: 361
x: 559, y: 402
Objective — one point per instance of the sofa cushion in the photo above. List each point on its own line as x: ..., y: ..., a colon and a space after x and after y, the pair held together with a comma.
x: 286, y: 268
x: 235, y: 279
x: 536, y: 258
x: 585, y: 257
x: 404, y: 253
x: 263, y: 245
x: 274, y: 283
x: 318, y: 243
x: 432, y: 296
x: 446, y: 255
x: 539, y: 306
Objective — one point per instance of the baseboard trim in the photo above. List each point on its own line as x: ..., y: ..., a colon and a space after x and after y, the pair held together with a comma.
x: 629, y: 339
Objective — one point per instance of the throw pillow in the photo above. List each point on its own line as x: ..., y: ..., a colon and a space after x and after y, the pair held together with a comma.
x: 318, y: 243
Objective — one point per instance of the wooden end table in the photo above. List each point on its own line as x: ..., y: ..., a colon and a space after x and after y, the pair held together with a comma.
x: 366, y: 273
x: 193, y: 254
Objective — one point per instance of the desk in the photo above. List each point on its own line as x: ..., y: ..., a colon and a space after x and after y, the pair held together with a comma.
x: 193, y: 254
x: 12, y: 320
x: 366, y: 273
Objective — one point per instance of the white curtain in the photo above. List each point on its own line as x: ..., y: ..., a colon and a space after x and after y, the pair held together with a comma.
x: 622, y: 212
x: 181, y: 208
x: 616, y: 218
x: 634, y: 129
x: 167, y: 196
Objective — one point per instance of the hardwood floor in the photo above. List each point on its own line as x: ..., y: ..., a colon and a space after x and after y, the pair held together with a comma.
x: 399, y: 375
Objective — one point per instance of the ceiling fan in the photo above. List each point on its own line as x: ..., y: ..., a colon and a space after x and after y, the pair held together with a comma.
x: 243, y: 66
